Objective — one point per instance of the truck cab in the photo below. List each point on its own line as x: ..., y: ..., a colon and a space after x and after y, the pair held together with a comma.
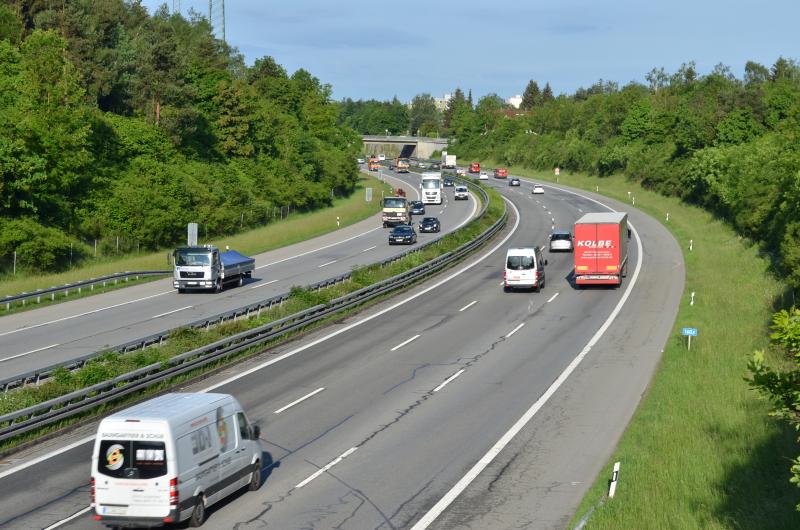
x: 396, y: 211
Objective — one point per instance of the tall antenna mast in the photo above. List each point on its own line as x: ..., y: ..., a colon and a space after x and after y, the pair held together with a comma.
x: 216, y: 17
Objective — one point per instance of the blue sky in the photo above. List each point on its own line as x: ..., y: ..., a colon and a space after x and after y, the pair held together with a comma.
x: 371, y: 49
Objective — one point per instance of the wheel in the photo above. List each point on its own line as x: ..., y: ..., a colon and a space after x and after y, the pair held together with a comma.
x: 506, y: 289
x: 218, y: 287
x: 199, y: 513
x: 255, y: 480
x: 241, y: 281
x: 181, y: 290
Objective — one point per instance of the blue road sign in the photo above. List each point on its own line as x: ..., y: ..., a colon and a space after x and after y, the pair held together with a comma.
x: 689, y: 332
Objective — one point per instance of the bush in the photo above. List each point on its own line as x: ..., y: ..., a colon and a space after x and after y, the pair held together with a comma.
x: 38, y: 247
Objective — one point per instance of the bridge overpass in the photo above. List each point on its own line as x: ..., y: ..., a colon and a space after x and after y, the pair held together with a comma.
x: 405, y: 146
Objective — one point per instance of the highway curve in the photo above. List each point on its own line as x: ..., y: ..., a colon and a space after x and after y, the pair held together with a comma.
x: 416, y: 392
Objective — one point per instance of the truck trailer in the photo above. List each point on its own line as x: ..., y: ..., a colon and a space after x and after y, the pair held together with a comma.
x: 206, y: 268
x: 601, y: 248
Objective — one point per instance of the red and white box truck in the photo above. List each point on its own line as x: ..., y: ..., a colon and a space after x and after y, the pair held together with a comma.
x: 601, y: 248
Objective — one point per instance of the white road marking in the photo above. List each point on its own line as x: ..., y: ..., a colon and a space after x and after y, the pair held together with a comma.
x: 580, y: 210
x: 441, y: 386
x: 318, y: 249
x: 501, y: 283
x: 84, y: 314
x: 295, y: 402
x: 468, y: 305
x: 326, y: 264
x: 495, y: 450
x: 263, y: 284
x: 302, y: 348
x: 441, y: 211
x: 170, y: 312
x: 327, y: 467
x: 515, y: 330
x: 415, y: 337
x: 29, y: 352
x: 552, y: 298
x: 370, y: 248
x: 68, y: 519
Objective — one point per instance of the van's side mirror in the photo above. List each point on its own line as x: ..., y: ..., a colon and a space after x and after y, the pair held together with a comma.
x: 256, y: 432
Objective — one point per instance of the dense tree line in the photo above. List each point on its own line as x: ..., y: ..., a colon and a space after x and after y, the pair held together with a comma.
x: 117, y: 123
x: 727, y: 144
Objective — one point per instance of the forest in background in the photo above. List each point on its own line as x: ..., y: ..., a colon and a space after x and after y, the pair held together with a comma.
x: 121, y: 127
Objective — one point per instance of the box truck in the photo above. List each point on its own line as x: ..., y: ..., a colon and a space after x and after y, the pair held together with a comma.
x: 206, y: 268
x: 601, y: 248
x: 168, y: 459
x: 448, y: 161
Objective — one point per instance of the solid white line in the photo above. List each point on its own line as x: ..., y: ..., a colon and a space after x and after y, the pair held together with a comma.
x: 326, y: 264
x: 170, y: 312
x: 327, y: 467
x: 304, y: 347
x: 68, y: 519
x: 29, y: 352
x: 263, y: 284
x: 415, y: 337
x: 370, y: 248
x: 468, y: 305
x: 552, y: 298
x: 318, y: 249
x: 580, y: 210
x: 490, y: 455
x: 515, y: 329
x: 441, y: 386
x: 84, y: 314
x: 295, y: 402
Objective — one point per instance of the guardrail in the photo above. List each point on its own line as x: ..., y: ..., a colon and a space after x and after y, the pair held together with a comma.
x: 77, y: 286
x: 60, y: 408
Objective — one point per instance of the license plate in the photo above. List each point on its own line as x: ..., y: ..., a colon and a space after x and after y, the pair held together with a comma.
x: 114, y: 510
x: 191, y: 283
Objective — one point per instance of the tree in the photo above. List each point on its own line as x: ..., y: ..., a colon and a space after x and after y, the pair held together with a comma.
x: 456, y: 101
x: 755, y: 74
x: 469, y: 99
x: 423, y: 116
x: 234, y: 125
x: 547, y: 94
x: 531, y: 97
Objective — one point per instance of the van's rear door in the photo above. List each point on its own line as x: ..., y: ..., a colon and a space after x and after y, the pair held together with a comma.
x: 131, y: 479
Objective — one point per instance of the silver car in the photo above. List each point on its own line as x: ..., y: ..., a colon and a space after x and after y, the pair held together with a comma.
x: 561, y: 241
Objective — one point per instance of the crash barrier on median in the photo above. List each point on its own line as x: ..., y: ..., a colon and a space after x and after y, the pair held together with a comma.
x: 74, y: 403
x: 77, y: 286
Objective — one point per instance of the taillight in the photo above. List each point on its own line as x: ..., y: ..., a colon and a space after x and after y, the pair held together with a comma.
x: 92, y: 490
x: 173, y: 491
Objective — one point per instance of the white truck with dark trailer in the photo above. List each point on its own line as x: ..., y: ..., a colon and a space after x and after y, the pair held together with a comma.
x: 206, y: 268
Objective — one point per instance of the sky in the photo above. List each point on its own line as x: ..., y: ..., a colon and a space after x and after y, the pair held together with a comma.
x: 378, y: 50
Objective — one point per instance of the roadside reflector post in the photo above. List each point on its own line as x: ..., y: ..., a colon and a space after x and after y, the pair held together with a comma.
x: 612, y: 484
x: 691, y: 301
x: 667, y: 216
x: 691, y: 244
x: 597, y: 189
x: 633, y: 200
x: 337, y: 221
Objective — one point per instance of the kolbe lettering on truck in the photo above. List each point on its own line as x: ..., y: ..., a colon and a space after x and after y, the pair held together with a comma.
x: 596, y: 244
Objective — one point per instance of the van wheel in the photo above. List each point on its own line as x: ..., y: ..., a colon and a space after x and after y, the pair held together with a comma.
x: 241, y: 281
x: 255, y: 480
x: 218, y: 286
x: 199, y: 513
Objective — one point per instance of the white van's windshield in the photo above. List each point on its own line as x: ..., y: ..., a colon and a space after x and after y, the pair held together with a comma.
x: 132, y: 459
x: 519, y: 263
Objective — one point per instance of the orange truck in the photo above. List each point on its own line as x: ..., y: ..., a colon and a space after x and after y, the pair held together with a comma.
x: 373, y: 164
x: 475, y: 167
x: 500, y: 173
x: 601, y: 248
x: 401, y: 165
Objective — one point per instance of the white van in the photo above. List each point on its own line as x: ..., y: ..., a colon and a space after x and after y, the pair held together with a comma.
x: 524, y: 269
x: 170, y: 458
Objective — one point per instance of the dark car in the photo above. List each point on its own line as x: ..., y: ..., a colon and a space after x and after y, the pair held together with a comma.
x: 513, y: 181
x: 448, y: 183
x: 429, y: 224
x: 403, y: 234
x: 436, y: 165
x: 417, y: 208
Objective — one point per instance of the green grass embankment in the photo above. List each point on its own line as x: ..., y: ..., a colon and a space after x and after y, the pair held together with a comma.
x: 701, y: 451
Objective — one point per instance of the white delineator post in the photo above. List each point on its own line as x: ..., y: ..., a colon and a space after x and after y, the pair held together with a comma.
x: 612, y: 487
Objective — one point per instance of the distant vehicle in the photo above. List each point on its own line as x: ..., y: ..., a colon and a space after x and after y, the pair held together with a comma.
x: 432, y: 188
x: 381, y: 157
x: 417, y: 208
x: 422, y: 165
x: 561, y: 241
x: 395, y: 211
x: 360, y: 160
x: 538, y: 189
x: 461, y: 193
x: 429, y: 224
x: 601, y: 248
x: 461, y: 172
x: 524, y: 269
x: 436, y: 165
x: 475, y: 167
x: 171, y: 458
x: 448, y: 183
x: 401, y: 165
x: 403, y: 234
x: 500, y: 173
x: 206, y: 268
x: 373, y: 164
x: 513, y: 181
x: 483, y: 176
x: 448, y: 161
x: 400, y: 192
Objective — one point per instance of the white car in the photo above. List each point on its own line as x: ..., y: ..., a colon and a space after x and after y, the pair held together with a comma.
x: 561, y: 241
x: 360, y: 160
x: 483, y: 176
x: 381, y: 157
x: 461, y: 193
x: 538, y: 189
x: 461, y: 171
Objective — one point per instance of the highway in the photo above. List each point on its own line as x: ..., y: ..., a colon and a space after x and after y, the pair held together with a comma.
x: 453, y: 405
x: 58, y: 333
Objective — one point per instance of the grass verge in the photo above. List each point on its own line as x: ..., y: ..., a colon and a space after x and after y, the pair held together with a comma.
x: 700, y: 451
x: 111, y: 365
x: 297, y: 227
